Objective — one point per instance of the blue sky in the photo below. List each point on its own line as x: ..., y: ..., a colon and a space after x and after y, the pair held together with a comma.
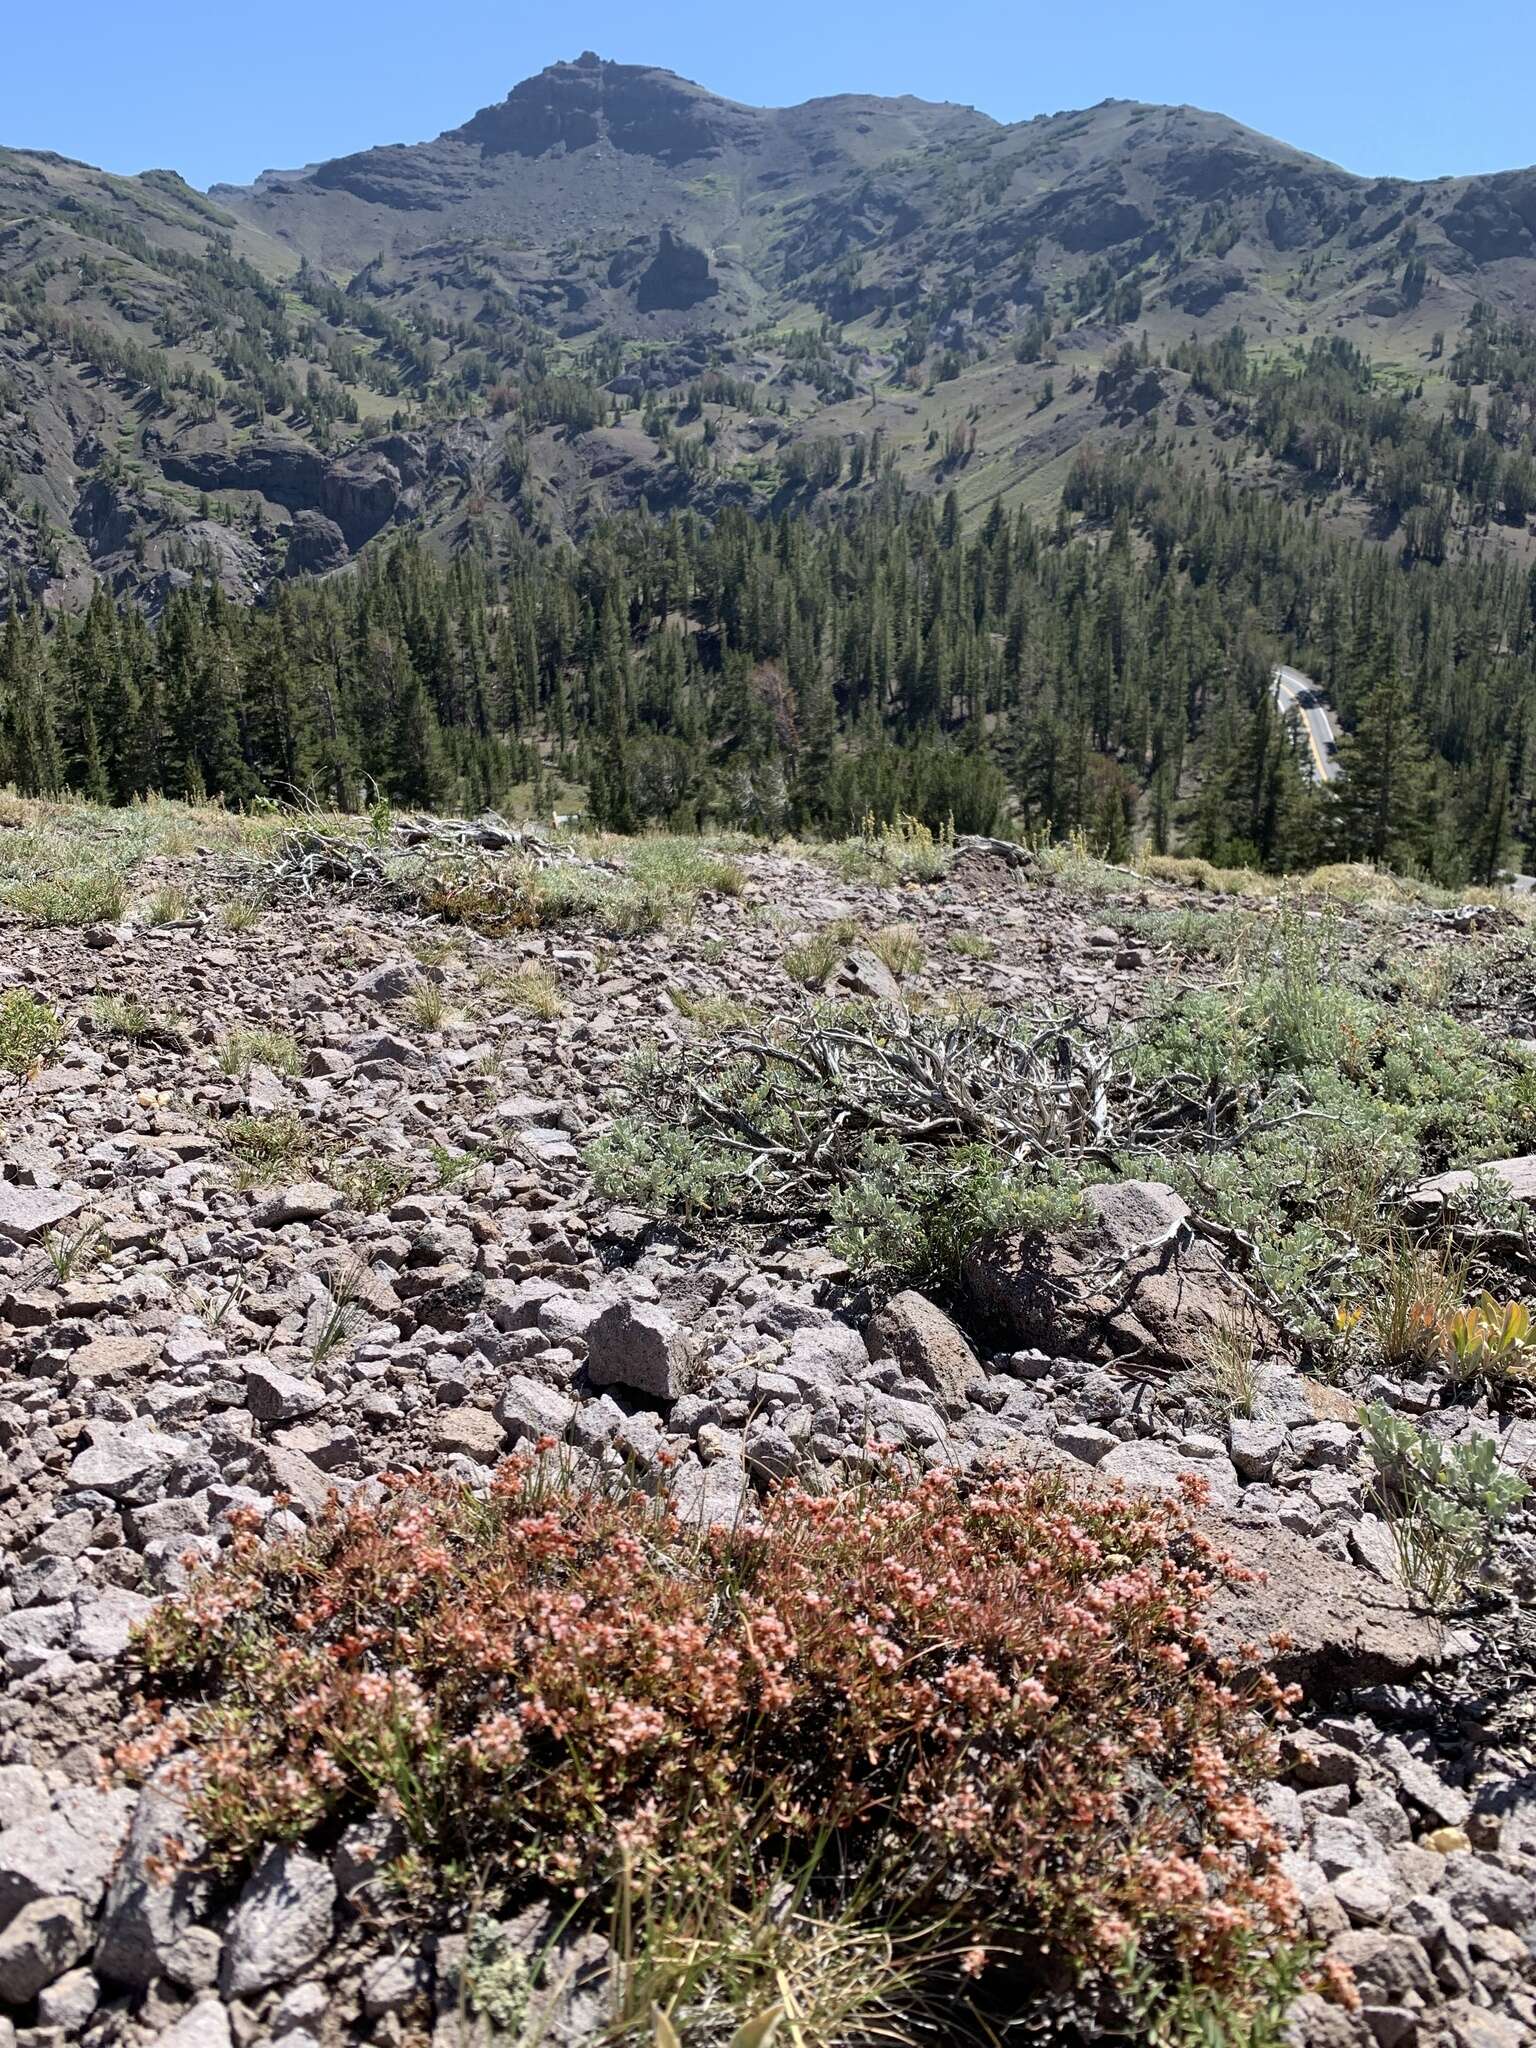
x: 222, y: 91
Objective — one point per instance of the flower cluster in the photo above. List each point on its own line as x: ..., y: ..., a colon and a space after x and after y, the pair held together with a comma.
x: 993, y: 1695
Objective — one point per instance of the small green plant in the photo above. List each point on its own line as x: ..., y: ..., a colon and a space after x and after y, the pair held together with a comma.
x: 1492, y: 1342
x: 664, y: 1171
x: 117, y: 1016
x: 72, y: 1252
x: 972, y: 946
x: 900, y: 850
x: 1231, y: 1371
x: 240, y: 913
x: 452, y: 1167
x: 340, y: 1315
x: 679, y: 867
x: 215, y: 1309
x: 428, y: 1005
x: 1409, y: 1317
x: 89, y: 896
x: 812, y: 961
x: 252, y: 1045
x: 173, y: 904
x: 267, y: 1147
x: 497, y: 1979
x: 901, y: 1221
x: 713, y: 1013
x: 1445, y: 1503
x: 370, y: 1185
x: 29, y: 1030
x: 901, y: 947
x: 533, y: 989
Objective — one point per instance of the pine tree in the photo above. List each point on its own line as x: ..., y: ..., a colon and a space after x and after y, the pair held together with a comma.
x: 1383, y: 804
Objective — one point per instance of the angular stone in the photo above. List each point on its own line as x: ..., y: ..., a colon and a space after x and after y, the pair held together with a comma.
x: 471, y: 1432
x: 1340, y: 1843
x: 305, y: 1202
x: 527, y: 1409
x: 66, y: 1853
x: 23, y: 1793
x: 1086, y: 1441
x: 1255, y: 1446
x: 1170, y: 1298
x: 273, y: 1395
x: 105, y: 1621
x: 206, y: 2025
x: 125, y: 1460
x: 1483, y: 1894
x: 281, y: 1924
x: 68, y: 2002
x: 394, y: 1982
x: 1339, y: 1625
x: 926, y: 1344
x: 1388, y: 1969
x: 713, y: 1495
x: 148, y: 1910
x: 861, y: 972
x: 104, y: 1356
x: 1514, y: 1177
x: 640, y: 1344
x: 40, y: 1943
x: 26, y: 1214
x: 1159, y: 1468
x: 290, y: 1472
x: 387, y: 983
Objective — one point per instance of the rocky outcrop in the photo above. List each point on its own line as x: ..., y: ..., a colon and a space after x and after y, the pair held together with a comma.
x: 1323, y: 1622
x: 634, y: 108
x: 1132, y: 1283
x: 358, y: 494
x: 678, y: 277
x: 316, y: 545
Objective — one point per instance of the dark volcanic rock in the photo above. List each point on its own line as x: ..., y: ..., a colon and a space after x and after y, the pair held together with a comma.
x: 318, y: 544
x: 637, y: 109
x: 679, y: 277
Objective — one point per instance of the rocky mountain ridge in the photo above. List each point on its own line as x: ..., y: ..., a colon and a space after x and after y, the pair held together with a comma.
x: 532, y: 297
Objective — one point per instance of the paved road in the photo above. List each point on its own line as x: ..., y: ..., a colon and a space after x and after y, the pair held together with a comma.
x: 1297, y: 692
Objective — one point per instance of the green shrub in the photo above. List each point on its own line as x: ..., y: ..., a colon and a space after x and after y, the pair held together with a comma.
x: 533, y: 989
x: 267, y: 1147
x: 89, y: 896
x: 254, y: 1045
x: 905, y: 1223
x: 901, y: 947
x: 29, y: 1030
x: 119, y: 1016
x: 812, y: 961
x: 1445, y: 1503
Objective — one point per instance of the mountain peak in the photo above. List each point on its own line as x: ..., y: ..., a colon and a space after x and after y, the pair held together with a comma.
x: 638, y: 109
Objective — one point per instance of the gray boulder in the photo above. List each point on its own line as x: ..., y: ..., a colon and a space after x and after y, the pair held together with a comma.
x: 281, y: 1924
x: 26, y: 1214
x: 923, y: 1340
x: 527, y: 1409
x: 1132, y: 1281
x: 641, y: 1345
x: 68, y: 1853
x: 46, y: 1938
x: 206, y: 2025
x: 147, y: 1912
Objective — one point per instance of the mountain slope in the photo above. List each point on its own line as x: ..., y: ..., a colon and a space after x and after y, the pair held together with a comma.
x: 614, y: 288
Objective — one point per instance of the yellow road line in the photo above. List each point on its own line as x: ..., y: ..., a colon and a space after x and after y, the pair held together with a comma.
x: 1317, y: 752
